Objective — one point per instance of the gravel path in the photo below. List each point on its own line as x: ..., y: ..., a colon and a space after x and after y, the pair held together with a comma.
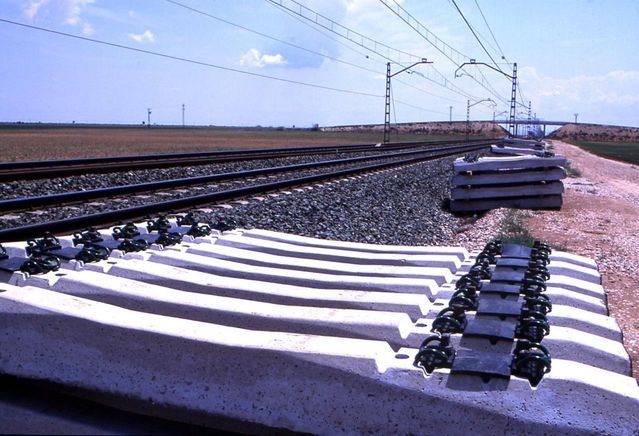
x: 599, y: 220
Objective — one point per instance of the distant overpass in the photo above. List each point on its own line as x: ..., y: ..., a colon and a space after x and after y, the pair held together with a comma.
x: 536, y: 122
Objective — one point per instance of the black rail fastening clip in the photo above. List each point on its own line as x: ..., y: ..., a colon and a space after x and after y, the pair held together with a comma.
x: 128, y: 231
x: 40, y: 264
x: 161, y: 225
x: 531, y: 361
x: 224, y: 225
x: 435, y: 352
x: 450, y: 320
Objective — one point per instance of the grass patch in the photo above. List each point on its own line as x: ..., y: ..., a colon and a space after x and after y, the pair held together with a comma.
x: 513, y: 230
x: 622, y: 151
x: 572, y: 171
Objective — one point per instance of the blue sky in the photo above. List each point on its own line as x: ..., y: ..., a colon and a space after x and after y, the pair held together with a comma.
x: 573, y: 56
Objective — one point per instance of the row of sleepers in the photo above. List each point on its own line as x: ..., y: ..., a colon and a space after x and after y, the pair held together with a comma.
x: 282, y: 331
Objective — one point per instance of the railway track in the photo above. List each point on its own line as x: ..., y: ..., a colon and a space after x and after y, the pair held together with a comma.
x: 17, y: 204
x: 26, y: 170
x: 185, y: 203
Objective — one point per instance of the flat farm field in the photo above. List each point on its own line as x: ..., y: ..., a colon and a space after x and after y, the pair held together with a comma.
x: 621, y: 151
x: 42, y: 143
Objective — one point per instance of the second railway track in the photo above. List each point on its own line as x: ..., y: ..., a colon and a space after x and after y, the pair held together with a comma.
x: 29, y: 170
x: 188, y: 202
x: 16, y: 204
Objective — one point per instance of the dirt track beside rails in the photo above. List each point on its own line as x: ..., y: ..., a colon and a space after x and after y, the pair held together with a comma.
x: 600, y: 219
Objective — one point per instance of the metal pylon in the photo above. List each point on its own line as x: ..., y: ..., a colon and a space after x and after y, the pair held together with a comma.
x: 467, y: 120
x: 529, y: 117
x: 513, y: 102
x: 388, y: 105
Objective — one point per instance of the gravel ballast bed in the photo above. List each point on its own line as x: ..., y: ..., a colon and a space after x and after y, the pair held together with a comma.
x: 402, y: 206
x: 15, y: 219
x: 84, y: 182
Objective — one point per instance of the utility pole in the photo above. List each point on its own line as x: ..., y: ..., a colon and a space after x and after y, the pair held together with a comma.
x: 387, y: 106
x: 450, y: 118
x: 148, y: 117
x: 576, y: 115
x: 182, y: 114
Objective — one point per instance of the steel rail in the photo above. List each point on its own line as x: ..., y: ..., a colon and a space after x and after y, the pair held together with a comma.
x: 172, y: 206
x: 24, y: 170
x: 16, y: 204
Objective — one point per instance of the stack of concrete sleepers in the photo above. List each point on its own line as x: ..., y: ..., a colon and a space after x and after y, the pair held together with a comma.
x: 258, y: 330
x: 520, y: 147
x: 528, y: 182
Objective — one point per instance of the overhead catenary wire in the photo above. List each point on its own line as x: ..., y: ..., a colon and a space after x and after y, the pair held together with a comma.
x: 354, y: 50
x: 409, y: 19
x: 290, y: 44
x: 472, y: 30
x: 476, y: 35
x: 355, y: 37
x: 323, y: 33
x: 503, y: 56
x: 378, y: 61
x: 296, y: 46
x: 191, y: 61
x: 501, y: 52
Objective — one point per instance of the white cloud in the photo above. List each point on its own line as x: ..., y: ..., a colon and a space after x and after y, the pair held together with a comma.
x: 131, y: 13
x: 87, y: 29
x: 75, y: 9
x: 68, y: 11
x: 253, y: 58
x: 612, y: 97
x: 146, y: 36
x: 33, y: 7
x: 614, y: 87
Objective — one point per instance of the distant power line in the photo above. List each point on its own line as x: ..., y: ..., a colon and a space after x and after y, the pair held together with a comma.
x: 191, y: 61
x: 391, y: 54
x: 290, y: 44
x: 503, y: 56
x: 445, y: 49
x: 472, y: 30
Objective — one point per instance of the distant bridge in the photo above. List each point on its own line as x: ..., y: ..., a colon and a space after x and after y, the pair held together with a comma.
x: 536, y: 122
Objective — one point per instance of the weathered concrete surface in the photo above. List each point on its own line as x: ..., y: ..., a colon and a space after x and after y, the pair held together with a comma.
x: 451, y: 262
x: 524, y: 143
x: 414, y: 305
x: 547, y: 202
x: 396, y: 328
x: 294, y: 277
x: 509, y: 163
x: 516, y: 150
x: 249, y: 257
x: 199, y: 337
x: 508, y: 177
x: 305, y: 241
x: 493, y: 192
x: 358, y: 385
